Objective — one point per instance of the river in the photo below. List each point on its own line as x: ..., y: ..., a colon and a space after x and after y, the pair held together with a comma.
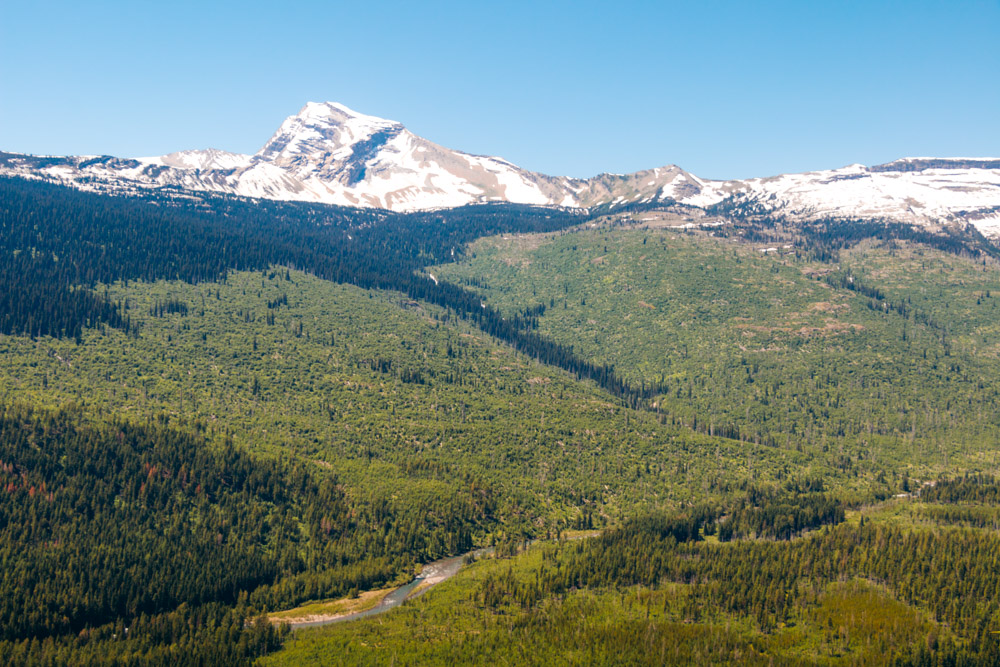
x: 432, y: 573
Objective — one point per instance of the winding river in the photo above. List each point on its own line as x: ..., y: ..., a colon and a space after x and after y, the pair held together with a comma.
x: 432, y: 573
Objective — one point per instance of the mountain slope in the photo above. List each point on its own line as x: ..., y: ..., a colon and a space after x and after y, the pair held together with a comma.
x: 913, y: 190
x: 328, y: 153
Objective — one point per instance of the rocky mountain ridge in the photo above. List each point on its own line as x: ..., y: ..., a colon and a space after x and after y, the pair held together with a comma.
x: 329, y: 153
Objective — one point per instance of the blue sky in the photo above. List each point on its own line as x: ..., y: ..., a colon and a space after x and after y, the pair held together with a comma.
x: 723, y: 89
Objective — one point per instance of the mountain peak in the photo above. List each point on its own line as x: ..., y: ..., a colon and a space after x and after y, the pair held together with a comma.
x: 327, y: 152
x: 327, y: 129
x: 339, y: 113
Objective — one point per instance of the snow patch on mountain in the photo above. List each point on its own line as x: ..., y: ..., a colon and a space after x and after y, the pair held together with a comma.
x: 200, y: 159
x: 938, y: 191
x: 330, y: 153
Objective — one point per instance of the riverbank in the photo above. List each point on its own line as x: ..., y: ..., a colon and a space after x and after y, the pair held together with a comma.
x: 371, y: 603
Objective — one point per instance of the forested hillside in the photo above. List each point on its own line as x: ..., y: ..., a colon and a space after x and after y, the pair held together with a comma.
x: 882, y: 352
x: 213, y: 408
x: 878, y: 589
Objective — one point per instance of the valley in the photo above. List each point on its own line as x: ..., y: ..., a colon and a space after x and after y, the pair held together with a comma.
x: 315, y: 401
x: 544, y: 334
x: 856, y: 593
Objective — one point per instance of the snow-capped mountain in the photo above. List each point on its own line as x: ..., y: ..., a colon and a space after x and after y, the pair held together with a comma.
x: 328, y: 153
x: 913, y: 190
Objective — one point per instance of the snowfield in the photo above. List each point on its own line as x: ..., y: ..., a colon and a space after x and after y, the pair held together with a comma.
x: 329, y: 153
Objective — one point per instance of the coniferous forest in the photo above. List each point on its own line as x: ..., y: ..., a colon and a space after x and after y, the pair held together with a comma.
x: 761, y: 442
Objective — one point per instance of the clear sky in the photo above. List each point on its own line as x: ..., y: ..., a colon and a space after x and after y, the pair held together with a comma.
x: 723, y: 89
